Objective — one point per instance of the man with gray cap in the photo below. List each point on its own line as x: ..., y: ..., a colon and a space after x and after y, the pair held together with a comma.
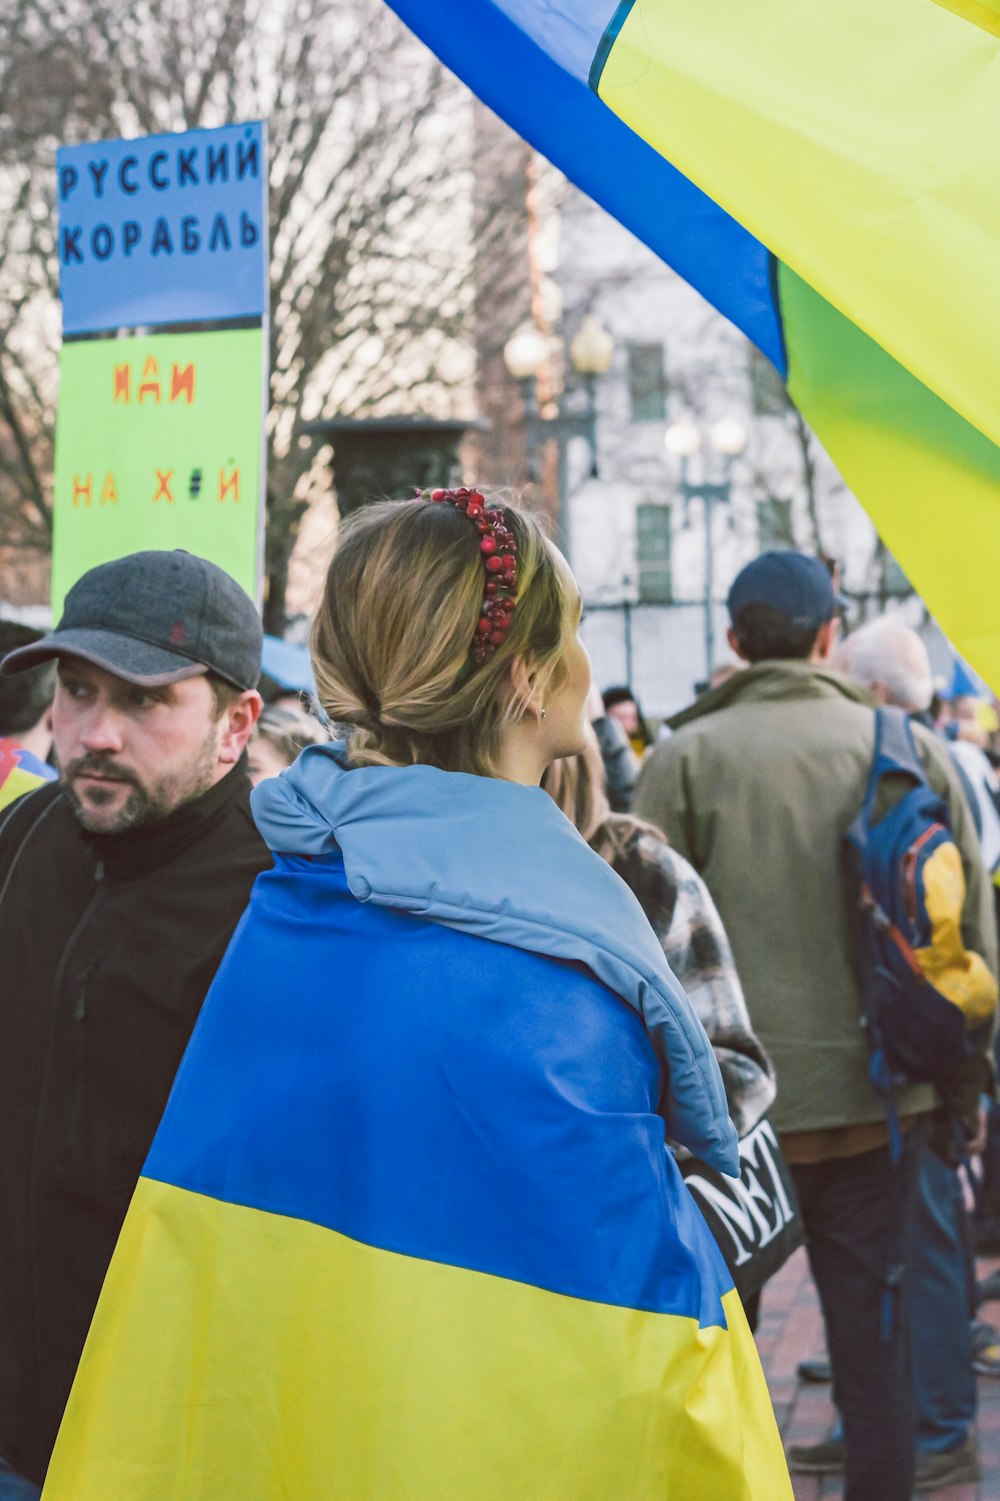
x: 120, y: 887
x: 756, y: 788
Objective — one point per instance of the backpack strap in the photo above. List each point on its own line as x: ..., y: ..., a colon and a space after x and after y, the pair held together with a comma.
x: 895, y: 745
x: 895, y: 754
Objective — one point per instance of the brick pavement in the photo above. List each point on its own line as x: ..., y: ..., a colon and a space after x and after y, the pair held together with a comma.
x: 791, y: 1329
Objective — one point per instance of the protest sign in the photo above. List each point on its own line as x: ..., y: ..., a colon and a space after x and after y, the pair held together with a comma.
x: 167, y: 229
x: 158, y: 446
x: 159, y: 435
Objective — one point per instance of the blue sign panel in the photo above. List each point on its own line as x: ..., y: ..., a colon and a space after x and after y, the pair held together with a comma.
x: 166, y: 229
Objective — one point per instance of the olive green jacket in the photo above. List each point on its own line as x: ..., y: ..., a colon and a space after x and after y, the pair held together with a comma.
x: 756, y: 789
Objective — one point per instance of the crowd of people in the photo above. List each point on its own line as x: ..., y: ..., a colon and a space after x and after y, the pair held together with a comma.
x: 404, y: 1214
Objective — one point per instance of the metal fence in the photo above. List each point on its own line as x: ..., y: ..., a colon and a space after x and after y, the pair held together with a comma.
x: 660, y: 649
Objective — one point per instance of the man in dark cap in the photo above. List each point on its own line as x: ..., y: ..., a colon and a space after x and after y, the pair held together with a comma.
x: 756, y: 788
x: 120, y: 887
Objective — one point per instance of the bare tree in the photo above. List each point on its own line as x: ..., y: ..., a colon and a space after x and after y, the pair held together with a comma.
x: 798, y: 475
x: 370, y: 217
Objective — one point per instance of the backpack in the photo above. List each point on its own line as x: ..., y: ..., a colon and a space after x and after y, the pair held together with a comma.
x: 923, y: 991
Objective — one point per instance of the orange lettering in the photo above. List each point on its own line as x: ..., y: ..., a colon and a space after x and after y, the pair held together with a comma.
x: 82, y: 491
x: 182, y: 383
x: 163, y: 479
x: 109, y: 495
x: 150, y: 381
x: 123, y: 383
x: 232, y: 483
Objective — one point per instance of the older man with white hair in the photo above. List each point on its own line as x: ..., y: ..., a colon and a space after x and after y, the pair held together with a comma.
x: 891, y: 661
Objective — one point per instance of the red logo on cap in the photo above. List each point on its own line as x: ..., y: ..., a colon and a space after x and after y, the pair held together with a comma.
x: 178, y: 633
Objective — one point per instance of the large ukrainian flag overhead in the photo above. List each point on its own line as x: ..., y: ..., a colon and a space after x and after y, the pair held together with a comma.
x: 828, y: 176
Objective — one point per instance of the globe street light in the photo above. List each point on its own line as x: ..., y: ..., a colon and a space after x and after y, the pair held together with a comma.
x: 592, y: 348
x: 728, y: 437
x: 525, y: 354
x: 683, y: 440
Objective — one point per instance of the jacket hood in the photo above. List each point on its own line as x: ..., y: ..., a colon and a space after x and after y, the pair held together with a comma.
x: 775, y: 681
x: 500, y: 860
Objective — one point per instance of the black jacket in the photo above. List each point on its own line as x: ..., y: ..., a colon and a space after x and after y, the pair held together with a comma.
x: 108, y: 944
x: 621, y: 765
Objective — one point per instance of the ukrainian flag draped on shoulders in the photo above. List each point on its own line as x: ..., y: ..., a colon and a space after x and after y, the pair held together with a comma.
x: 409, y: 1230
x: 826, y: 176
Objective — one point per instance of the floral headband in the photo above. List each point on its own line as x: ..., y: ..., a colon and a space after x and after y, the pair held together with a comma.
x: 499, y: 551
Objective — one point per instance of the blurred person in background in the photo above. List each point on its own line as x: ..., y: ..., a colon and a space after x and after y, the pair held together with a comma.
x: 969, y: 722
x: 621, y: 764
x: 25, y: 719
x: 622, y: 705
x: 279, y: 734
x: 756, y: 788
x: 969, y: 726
x: 891, y: 661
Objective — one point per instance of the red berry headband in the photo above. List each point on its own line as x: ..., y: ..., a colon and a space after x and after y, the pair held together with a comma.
x: 496, y: 543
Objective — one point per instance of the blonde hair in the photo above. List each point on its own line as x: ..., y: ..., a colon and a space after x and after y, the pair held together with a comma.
x: 392, y: 641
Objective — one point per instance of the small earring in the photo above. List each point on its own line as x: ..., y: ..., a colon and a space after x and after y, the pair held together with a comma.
x: 544, y: 712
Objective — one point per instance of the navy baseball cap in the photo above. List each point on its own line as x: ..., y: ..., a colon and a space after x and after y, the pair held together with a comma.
x: 798, y: 587
x: 154, y: 618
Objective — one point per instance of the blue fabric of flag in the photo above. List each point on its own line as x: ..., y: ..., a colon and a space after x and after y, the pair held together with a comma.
x: 409, y: 1228
x: 412, y: 838
x: 570, y: 32
x: 555, y: 110
x: 401, y: 1083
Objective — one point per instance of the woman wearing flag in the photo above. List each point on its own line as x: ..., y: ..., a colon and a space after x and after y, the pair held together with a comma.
x: 409, y: 1228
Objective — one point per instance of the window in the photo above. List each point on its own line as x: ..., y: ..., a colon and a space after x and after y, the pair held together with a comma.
x: 647, y: 383
x: 767, y: 389
x: 653, y: 554
x: 775, y: 532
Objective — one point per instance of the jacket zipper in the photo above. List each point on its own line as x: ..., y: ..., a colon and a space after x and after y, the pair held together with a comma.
x: 83, y: 980
x: 43, y: 1097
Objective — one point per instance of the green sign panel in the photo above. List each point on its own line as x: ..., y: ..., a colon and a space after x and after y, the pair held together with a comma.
x: 159, y: 445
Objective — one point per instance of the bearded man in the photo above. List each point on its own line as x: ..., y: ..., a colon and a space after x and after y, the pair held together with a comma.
x: 120, y: 887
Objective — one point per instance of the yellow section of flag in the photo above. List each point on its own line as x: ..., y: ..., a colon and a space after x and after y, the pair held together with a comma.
x: 243, y: 1356
x: 860, y: 141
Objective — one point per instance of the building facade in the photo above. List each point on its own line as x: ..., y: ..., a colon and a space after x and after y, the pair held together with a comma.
x: 639, y: 530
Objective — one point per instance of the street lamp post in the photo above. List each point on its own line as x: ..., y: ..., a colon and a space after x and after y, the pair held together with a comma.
x: 525, y: 355
x: 727, y: 438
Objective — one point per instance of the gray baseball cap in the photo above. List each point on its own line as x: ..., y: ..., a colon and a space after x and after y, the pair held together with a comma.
x: 154, y: 618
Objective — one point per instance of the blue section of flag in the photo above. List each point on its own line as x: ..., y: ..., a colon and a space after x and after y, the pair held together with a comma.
x: 569, y: 31
x: 435, y: 1094
x: 164, y: 229
x: 555, y: 110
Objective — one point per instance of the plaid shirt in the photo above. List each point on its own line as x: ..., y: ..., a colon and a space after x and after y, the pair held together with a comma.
x: 685, y: 919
